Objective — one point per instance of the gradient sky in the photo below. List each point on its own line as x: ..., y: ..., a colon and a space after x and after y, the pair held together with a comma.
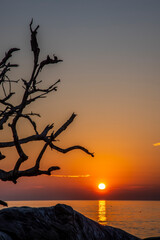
x: 110, y: 77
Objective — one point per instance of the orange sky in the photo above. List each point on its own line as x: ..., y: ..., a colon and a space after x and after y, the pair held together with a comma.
x: 110, y: 79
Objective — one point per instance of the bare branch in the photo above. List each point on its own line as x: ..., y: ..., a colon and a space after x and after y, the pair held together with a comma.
x: 5, y: 117
x: 66, y: 150
x: 49, y: 61
x: 7, y: 97
x: 33, y: 114
x: 22, y: 141
x: 17, y: 166
x: 65, y: 125
x: 41, y: 154
x: 50, y: 139
x: 39, y: 137
x: 7, y: 56
x: 31, y: 172
x: 51, y: 88
x: 3, y: 112
x: 31, y: 121
x: 32, y: 92
x: 22, y: 155
x: 3, y: 101
x: 34, y: 43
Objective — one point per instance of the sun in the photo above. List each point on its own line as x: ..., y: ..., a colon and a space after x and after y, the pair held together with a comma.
x: 102, y: 186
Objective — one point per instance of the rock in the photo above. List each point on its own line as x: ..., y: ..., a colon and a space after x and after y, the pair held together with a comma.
x: 4, y: 236
x: 59, y: 222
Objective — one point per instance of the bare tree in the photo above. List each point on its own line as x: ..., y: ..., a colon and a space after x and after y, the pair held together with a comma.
x: 11, y: 113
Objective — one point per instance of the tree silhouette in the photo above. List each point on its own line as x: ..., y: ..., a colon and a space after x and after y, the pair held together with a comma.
x: 11, y: 113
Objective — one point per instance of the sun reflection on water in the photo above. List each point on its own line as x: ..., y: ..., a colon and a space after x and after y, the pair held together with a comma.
x: 102, y: 211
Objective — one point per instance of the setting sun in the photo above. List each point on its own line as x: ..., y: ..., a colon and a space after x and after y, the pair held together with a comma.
x: 102, y: 186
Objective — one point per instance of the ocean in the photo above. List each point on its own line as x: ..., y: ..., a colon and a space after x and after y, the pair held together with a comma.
x: 140, y: 218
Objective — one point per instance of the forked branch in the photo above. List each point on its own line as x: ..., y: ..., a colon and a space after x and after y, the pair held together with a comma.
x: 10, y: 113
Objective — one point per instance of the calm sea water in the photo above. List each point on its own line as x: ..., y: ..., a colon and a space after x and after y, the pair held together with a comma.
x: 140, y: 218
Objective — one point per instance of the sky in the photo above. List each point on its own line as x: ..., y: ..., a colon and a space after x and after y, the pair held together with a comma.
x: 110, y: 77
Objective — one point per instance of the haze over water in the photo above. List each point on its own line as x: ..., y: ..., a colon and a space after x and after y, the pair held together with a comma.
x: 140, y: 218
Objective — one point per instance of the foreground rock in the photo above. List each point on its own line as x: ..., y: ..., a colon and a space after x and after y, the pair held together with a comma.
x: 54, y: 223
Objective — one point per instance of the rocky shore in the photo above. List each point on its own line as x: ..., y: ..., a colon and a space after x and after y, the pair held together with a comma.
x: 59, y: 222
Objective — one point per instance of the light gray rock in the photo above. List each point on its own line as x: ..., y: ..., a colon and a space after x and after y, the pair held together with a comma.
x: 60, y: 222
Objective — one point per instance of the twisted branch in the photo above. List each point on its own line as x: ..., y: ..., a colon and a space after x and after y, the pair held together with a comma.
x: 32, y: 92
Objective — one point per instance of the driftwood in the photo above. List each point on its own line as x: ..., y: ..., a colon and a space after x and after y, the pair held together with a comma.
x: 11, y: 113
x: 59, y: 223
